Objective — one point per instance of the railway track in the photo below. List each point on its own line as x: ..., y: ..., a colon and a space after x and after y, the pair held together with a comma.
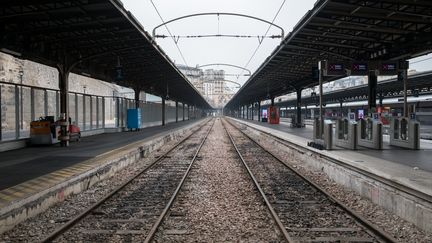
x: 133, y: 211
x: 303, y: 211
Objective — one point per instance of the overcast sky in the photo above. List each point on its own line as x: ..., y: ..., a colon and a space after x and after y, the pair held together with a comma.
x: 235, y: 51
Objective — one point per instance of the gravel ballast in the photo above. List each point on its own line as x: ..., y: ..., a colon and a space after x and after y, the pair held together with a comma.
x: 218, y: 202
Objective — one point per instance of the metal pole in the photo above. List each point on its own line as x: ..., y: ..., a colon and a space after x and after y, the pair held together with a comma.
x: 298, y: 108
x: 176, y: 105
x: 259, y: 111
x: 163, y: 111
x: 405, y: 84
x: 320, y: 74
x: 17, y: 113
x: 372, y: 91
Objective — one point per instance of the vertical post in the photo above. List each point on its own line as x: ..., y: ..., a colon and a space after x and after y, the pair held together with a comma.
x: 163, y: 111
x: 117, y: 112
x: 84, y: 113
x: 247, y: 112
x: 340, y: 107
x: 298, y: 91
x: 372, y: 91
x: 97, y: 112
x: 176, y: 105
x: 76, y: 109
x: 320, y: 77
x: 32, y: 104
x: 91, y: 112
x: 46, y: 102
x: 137, y: 98
x: 103, y: 112
x: 183, y: 104
x: 63, y: 70
x: 404, y: 74
x: 1, y: 125
x: 259, y: 111
x: 272, y: 101
x: 17, y: 112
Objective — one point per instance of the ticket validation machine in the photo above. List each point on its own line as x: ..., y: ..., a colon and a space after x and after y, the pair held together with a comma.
x: 370, y: 132
x: 405, y: 133
x: 322, y: 136
x: 346, y: 132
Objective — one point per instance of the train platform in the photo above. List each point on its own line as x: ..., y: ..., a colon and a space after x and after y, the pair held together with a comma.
x: 40, y: 176
x: 397, y: 179
x: 420, y: 159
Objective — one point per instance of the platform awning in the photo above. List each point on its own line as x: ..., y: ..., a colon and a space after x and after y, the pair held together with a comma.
x: 102, y: 34
x: 341, y: 30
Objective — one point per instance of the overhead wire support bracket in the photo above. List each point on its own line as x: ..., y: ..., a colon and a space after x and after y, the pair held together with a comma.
x: 260, y: 38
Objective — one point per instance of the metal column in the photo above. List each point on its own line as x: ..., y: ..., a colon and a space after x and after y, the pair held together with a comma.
x: 183, y: 111
x: 403, y: 76
x: 176, y: 105
x: 163, y: 111
x: 320, y: 74
x: 259, y: 111
x: 372, y: 91
x: 298, y: 91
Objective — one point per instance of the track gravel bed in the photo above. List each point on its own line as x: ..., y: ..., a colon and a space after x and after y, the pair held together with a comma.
x: 399, y: 228
x: 38, y: 227
x: 218, y: 202
x: 307, y: 213
x: 129, y: 215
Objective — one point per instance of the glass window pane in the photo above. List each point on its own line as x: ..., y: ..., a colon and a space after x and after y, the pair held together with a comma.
x: 26, y: 112
x: 39, y: 103
x: 87, y: 113
x: 8, y: 112
x: 72, y: 107
x: 80, y: 115
x: 52, y: 104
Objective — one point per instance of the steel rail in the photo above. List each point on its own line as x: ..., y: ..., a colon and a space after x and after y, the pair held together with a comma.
x: 159, y: 221
x: 71, y: 223
x: 255, y: 181
x: 363, y: 221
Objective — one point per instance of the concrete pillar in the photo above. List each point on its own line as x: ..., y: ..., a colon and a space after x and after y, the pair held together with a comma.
x: 298, y: 91
x: 163, y: 111
x: 176, y: 105
x: 372, y: 91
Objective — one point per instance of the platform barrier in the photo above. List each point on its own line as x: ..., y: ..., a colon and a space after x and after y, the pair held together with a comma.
x: 370, y: 133
x: 346, y: 133
x: 405, y: 133
x: 322, y: 137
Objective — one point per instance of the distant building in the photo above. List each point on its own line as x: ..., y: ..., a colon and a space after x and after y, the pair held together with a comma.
x: 210, y: 83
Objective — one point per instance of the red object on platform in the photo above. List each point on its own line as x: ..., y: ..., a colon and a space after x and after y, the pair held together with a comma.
x: 273, y: 114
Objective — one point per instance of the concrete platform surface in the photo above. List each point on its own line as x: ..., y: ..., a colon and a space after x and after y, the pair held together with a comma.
x: 422, y: 159
x: 17, y: 166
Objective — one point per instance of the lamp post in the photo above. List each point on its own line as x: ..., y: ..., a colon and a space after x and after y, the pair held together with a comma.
x: 21, y: 74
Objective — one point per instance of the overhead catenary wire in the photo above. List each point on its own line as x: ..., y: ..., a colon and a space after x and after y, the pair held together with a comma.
x: 169, y: 32
x: 260, y: 42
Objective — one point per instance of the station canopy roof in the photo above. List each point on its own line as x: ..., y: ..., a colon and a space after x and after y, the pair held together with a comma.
x: 344, y: 30
x: 96, y: 35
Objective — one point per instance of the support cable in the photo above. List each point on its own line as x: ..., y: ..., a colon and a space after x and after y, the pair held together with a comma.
x: 259, y: 45
x: 173, y: 38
